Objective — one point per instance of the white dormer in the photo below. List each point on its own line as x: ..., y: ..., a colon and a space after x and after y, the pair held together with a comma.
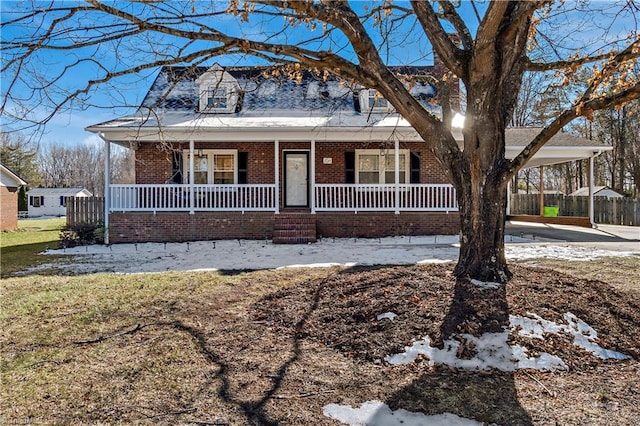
x: 372, y: 101
x: 218, y: 90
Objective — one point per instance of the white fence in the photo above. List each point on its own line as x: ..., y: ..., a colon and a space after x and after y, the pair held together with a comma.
x: 328, y: 197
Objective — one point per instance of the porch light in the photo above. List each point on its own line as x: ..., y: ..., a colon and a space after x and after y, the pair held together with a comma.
x: 200, y: 153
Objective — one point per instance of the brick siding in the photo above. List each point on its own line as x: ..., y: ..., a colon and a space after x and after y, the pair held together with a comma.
x: 153, y: 163
x: 8, y: 208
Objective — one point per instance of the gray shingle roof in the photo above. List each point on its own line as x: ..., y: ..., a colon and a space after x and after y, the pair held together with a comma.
x: 175, y: 89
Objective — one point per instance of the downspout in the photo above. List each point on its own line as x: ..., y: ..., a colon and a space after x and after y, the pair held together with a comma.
x: 592, y: 188
x: 107, y: 185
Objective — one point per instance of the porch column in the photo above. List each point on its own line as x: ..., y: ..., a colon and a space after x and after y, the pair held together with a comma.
x: 396, y: 153
x: 591, y: 190
x: 312, y: 196
x: 107, y: 186
x: 541, y: 188
x: 276, y: 148
x: 508, y: 210
x: 192, y: 176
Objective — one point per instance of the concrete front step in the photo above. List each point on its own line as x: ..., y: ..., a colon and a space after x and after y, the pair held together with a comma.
x: 294, y: 228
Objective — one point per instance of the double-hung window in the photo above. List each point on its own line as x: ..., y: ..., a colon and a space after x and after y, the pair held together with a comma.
x: 213, y: 166
x: 378, y: 167
x: 217, y: 98
x: 372, y: 100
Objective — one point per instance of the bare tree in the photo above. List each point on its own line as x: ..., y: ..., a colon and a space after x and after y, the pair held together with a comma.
x: 493, y: 47
x: 82, y: 166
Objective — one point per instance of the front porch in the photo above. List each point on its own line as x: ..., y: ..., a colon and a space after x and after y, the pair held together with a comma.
x: 185, y: 212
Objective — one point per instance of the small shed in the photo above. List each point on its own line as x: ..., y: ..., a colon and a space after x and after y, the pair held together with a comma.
x: 9, y: 185
x: 598, y: 191
x: 52, y: 201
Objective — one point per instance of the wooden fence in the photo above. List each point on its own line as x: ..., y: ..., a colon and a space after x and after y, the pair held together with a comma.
x: 85, y: 210
x: 614, y: 211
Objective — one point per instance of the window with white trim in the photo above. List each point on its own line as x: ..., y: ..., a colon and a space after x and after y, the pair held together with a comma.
x: 372, y: 100
x: 374, y: 166
x: 213, y: 166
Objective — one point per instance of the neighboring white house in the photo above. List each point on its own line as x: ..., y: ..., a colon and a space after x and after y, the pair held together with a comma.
x: 598, y: 191
x: 52, y: 201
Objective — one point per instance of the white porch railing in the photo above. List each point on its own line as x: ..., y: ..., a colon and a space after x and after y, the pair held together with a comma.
x: 410, y: 197
x: 204, y: 197
x: 328, y: 197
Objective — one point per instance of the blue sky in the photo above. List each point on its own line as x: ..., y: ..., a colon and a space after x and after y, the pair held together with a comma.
x: 121, y: 96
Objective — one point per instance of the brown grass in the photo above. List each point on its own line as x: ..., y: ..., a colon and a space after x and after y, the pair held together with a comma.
x: 274, y: 347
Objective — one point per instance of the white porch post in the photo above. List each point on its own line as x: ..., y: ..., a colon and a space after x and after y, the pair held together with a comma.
x: 192, y: 175
x: 396, y: 153
x: 276, y: 148
x: 591, y: 190
x: 508, y: 211
x: 541, y: 195
x: 312, y: 196
x: 107, y: 186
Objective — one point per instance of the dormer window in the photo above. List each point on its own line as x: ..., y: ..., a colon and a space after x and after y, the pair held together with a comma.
x: 219, y: 91
x: 217, y: 98
x: 372, y: 101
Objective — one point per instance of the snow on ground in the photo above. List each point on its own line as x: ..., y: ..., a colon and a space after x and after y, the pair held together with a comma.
x: 260, y: 254
x: 494, y: 351
x: 377, y: 413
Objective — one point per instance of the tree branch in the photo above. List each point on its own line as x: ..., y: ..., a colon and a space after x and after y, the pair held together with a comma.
x: 454, y: 58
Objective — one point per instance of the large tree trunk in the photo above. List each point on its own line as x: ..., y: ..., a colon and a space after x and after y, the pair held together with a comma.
x: 482, y: 221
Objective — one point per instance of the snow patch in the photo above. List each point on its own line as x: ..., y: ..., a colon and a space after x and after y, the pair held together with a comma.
x: 377, y: 413
x: 485, y: 285
x: 492, y: 351
x: 386, y: 315
x: 584, y: 336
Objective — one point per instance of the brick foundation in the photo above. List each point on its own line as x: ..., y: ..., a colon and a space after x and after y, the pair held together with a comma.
x: 385, y: 224
x: 182, y: 226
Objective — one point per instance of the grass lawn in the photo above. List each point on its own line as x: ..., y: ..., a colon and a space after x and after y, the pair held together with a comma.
x: 19, y: 249
x: 276, y: 346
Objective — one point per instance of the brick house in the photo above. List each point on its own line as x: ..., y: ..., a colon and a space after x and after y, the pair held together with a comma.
x: 9, y: 185
x: 247, y: 152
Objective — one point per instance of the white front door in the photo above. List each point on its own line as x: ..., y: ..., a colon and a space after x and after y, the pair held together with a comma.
x: 296, y: 179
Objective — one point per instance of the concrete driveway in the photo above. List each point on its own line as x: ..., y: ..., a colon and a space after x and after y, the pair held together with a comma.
x: 614, y: 237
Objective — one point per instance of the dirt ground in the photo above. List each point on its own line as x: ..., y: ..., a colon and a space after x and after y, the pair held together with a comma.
x: 274, y: 347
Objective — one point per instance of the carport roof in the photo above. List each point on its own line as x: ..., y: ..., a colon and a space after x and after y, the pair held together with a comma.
x: 561, y: 148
